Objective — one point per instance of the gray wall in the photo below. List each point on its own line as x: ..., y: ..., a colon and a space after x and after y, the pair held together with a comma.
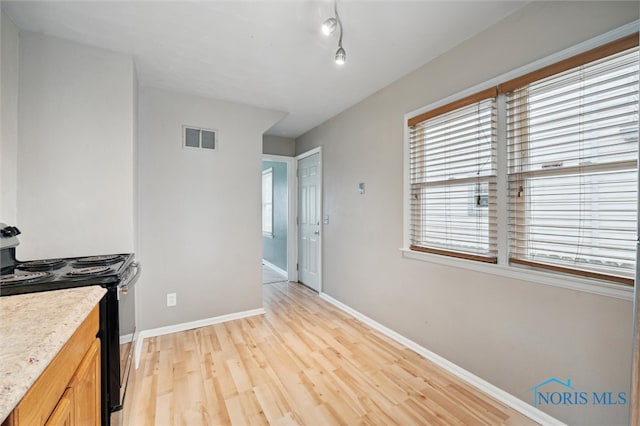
x: 9, y: 142
x: 200, y: 227
x: 274, y: 250
x: 276, y: 145
x: 515, y: 334
x: 76, y: 143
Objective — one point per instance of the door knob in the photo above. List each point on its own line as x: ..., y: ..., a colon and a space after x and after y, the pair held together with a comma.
x: 317, y: 232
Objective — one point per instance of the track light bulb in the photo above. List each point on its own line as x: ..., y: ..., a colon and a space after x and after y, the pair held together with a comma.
x: 341, y: 56
x: 329, y: 26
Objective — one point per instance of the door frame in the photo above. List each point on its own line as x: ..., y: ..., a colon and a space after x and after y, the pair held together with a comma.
x: 317, y: 150
x: 292, y: 211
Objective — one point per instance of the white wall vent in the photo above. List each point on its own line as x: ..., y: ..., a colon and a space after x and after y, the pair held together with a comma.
x: 197, y: 138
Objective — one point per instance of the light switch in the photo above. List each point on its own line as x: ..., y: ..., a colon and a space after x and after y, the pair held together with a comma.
x: 325, y: 219
x: 361, y: 188
x: 171, y: 299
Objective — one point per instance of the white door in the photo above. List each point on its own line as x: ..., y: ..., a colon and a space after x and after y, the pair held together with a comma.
x: 309, y: 221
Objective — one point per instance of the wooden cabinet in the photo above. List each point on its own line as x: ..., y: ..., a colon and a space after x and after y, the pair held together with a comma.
x: 86, y: 388
x: 68, y: 391
x: 63, y: 414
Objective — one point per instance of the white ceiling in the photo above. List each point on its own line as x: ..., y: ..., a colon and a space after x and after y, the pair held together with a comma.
x: 268, y: 54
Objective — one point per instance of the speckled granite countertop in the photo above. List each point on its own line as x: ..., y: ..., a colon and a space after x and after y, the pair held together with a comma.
x: 33, y: 329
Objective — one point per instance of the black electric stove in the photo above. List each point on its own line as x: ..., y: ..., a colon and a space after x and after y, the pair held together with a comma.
x: 56, y: 274
x: 117, y: 273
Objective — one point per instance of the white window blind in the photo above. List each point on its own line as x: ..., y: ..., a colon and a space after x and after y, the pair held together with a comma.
x: 573, y: 156
x: 453, y: 179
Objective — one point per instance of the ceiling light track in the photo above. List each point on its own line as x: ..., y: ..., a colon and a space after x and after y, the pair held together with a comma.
x: 329, y: 26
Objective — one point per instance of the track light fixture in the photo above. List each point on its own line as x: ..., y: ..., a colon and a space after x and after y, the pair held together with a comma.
x: 341, y: 56
x: 329, y: 26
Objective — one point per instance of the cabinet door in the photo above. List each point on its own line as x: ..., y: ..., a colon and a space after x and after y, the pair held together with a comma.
x: 86, y: 388
x: 63, y: 414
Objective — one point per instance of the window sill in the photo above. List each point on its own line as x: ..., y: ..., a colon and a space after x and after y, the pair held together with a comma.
x: 267, y: 235
x: 601, y: 288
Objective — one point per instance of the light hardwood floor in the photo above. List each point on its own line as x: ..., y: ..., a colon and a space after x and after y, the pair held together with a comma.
x: 269, y: 276
x: 304, y: 362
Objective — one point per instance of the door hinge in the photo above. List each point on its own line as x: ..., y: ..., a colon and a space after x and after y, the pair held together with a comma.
x: 296, y: 266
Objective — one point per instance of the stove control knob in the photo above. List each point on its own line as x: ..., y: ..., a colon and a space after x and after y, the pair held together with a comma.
x: 9, y: 231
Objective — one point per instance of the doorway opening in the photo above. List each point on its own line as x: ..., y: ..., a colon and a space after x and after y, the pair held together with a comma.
x: 297, y: 202
x: 278, y: 175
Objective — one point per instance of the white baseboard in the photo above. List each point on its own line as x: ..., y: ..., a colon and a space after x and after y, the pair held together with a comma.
x: 506, y: 398
x: 126, y: 338
x: 190, y: 325
x: 275, y: 268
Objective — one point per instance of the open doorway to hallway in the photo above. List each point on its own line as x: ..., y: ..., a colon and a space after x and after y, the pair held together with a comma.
x: 292, y: 218
x: 278, y: 257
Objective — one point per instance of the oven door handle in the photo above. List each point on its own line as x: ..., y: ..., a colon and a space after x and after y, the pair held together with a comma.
x: 123, y: 288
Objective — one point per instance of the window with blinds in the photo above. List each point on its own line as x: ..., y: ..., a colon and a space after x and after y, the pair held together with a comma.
x: 453, y: 179
x: 572, y: 135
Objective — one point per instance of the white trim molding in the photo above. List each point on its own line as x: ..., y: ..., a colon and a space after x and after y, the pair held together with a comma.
x: 316, y: 150
x: 495, y: 392
x: 160, y: 331
x: 126, y: 338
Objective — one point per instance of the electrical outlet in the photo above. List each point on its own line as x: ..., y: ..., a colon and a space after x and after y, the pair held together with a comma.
x: 171, y: 299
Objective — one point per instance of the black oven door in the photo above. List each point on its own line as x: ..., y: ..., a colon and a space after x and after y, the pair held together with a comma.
x: 127, y: 325
x: 121, y: 329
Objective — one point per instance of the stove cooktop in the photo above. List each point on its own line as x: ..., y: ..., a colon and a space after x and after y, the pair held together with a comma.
x: 55, y: 274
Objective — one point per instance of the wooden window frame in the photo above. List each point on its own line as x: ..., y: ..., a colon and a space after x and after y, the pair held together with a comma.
x: 523, y: 178
x: 480, y: 96
x: 500, y: 89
